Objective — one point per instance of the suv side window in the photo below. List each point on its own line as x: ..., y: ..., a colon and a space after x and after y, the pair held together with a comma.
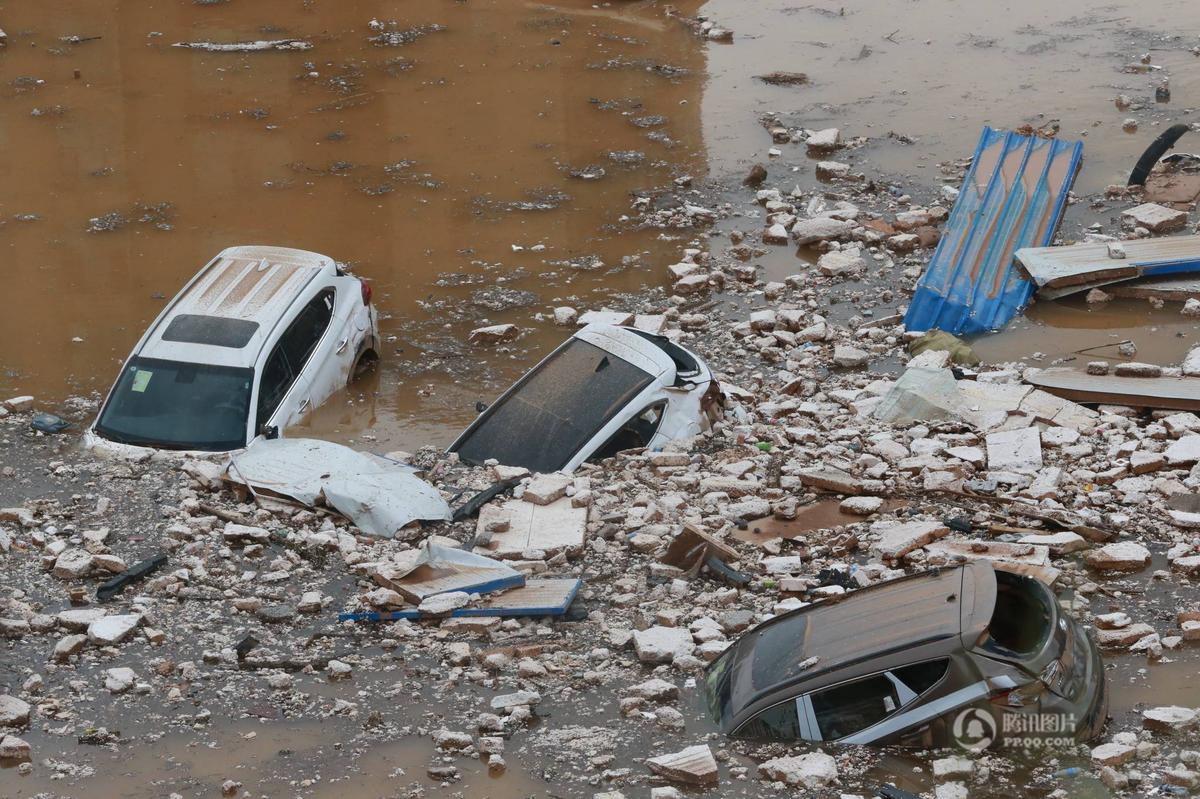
x: 849, y: 708
x: 778, y: 723
x: 306, y: 330
x: 277, y: 378
x: 920, y: 677
x: 292, y: 351
x: 635, y: 433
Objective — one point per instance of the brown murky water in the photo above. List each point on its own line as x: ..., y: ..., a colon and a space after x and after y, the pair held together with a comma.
x: 423, y: 164
x: 271, y: 760
x: 420, y: 164
x: 825, y: 514
x: 920, y: 80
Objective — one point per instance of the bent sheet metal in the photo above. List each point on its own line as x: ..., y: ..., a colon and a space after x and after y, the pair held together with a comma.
x: 380, y: 496
x: 1013, y: 197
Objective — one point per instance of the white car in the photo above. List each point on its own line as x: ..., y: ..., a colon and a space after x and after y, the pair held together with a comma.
x: 604, y: 390
x: 257, y: 338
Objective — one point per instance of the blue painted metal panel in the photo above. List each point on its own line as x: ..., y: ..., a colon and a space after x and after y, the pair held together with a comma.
x: 537, y: 598
x: 1013, y: 197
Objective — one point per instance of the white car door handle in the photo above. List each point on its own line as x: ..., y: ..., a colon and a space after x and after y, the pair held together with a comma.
x: 304, y: 404
x: 342, y: 345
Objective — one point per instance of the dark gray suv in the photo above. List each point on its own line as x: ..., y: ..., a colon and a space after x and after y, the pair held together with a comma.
x: 967, y: 656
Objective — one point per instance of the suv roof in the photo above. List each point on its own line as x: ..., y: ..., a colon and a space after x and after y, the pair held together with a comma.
x: 881, y: 626
x: 226, y: 312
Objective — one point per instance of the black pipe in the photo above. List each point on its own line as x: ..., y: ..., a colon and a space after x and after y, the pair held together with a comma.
x: 1165, y: 141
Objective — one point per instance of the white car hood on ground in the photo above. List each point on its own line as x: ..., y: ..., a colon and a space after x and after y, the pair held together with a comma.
x: 378, y: 495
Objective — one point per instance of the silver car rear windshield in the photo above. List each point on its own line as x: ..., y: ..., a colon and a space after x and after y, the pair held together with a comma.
x: 174, y: 405
x: 547, y: 417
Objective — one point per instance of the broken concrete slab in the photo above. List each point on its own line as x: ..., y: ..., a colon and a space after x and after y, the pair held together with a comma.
x: 1172, y: 718
x: 1119, y: 556
x: 1015, y: 450
x: 549, y: 529
x: 546, y: 488
x: 830, y: 478
x: 113, y: 629
x: 897, y: 539
x: 1030, y: 560
x: 810, y: 231
x: 1184, y: 451
x: 1155, y: 218
x: 1063, y: 543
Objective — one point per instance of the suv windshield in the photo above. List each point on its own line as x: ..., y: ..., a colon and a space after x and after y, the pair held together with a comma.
x: 177, y: 405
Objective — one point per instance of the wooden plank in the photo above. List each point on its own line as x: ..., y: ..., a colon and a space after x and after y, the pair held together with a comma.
x: 1080, y: 267
x: 1168, y: 393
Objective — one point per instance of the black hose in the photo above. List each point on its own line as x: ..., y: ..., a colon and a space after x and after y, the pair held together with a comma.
x: 1165, y: 141
x: 471, y: 506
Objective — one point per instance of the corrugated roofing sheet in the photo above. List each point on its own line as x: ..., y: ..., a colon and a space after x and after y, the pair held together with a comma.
x: 1013, y: 197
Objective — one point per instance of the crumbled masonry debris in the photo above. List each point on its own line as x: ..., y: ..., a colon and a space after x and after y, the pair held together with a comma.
x: 929, y: 457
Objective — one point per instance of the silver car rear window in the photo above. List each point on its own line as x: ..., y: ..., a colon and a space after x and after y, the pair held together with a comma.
x: 547, y: 417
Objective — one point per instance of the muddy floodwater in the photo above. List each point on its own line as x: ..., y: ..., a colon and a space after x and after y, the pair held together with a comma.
x: 422, y: 151
x: 479, y: 162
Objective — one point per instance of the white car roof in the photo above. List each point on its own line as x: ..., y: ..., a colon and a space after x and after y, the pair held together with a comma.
x: 237, y: 299
x: 628, y: 345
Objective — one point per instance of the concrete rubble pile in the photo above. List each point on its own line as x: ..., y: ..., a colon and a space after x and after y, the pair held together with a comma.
x: 927, y: 465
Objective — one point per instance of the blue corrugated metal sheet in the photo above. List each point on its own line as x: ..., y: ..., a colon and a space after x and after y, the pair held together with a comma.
x: 1013, y: 197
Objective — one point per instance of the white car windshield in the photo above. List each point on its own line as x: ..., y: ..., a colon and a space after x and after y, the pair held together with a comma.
x: 175, y: 405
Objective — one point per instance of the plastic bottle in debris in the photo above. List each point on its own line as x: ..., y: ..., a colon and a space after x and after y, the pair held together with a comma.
x: 1068, y: 773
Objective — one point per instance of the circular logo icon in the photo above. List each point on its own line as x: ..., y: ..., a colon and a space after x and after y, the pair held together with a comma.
x: 974, y: 729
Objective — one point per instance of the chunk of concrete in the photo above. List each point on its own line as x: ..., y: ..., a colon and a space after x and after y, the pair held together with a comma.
x: 13, y: 712
x: 810, y: 231
x: 1184, y: 451
x: 1156, y: 218
x: 549, y: 529
x: 72, y: 564
x: 112, y: 630
x: 694, y: 765
x: 812, y: 770
x: 1172, y: 718
x: 546, y: 488
x: 897, y: 539
x: 1015, y: 450
x: 1119, y: 556
x: 662, y: 644
x: 494, y: 334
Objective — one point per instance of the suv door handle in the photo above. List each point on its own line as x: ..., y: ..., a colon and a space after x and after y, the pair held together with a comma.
x: 341, y: 346
x: 304, y: 404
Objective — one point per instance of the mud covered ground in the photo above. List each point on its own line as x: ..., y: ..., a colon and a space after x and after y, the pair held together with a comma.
x: 318, y: 708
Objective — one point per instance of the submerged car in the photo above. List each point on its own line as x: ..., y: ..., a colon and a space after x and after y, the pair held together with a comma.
x: 257, y: 338
x: 605, y: 390
x: 968, y: 656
